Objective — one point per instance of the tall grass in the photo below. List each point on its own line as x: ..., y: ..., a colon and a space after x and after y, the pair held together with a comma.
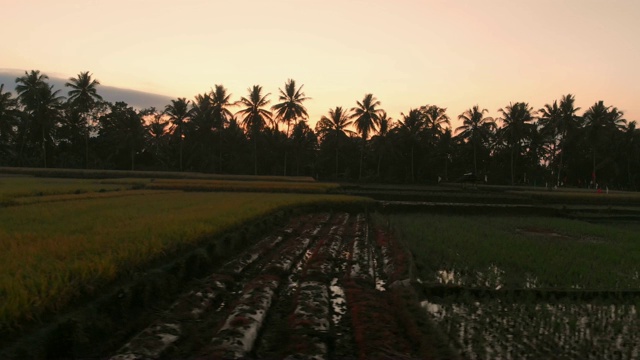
x: 51, y: 251
x: 522, y: 251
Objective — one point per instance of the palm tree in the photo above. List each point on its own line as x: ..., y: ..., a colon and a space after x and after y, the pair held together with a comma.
x: 83, y: 97
x: 630, y: 147
x: 221, y: 102
x: 42, y: 106
x: 475, y: 128
x: 517, y: 128
x: 255, y: 117
x: 367, y: 119
x: 600, y: 123
x: 8, y: 117
x: 568, y: 125
x: 179, y: 113
x: 550, y: 121
x: 157, y: 130
x: 290, y: 108
x: 435, y: 118
x: 411, y: 127
x: 380, y: 140
x: 335, y: 126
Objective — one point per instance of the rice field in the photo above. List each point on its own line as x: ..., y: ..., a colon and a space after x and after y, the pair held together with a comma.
x: 492, y: 329
x: 520, y: 282
x: 521, y: 252
x: 63, y: 237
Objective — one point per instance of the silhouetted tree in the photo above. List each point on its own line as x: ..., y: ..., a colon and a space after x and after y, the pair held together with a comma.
x: 42, y: 108
x: 517, y: 128
x: 9, y: 120
x: 255, y: 117
x: 411, y: 128
x: 475, y: 129
x: 366, y: 119
x: 334, y: 126
x: 179, y: 114
x: 83, y: 99
x: 122, y: 132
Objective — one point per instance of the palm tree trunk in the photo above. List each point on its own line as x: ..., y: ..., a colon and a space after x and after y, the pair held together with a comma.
x: 133, y: 158
x: 255, y: 156
x: 593, y: 174
x: 379, y: 161
x: 446, y: 168
x: 361, y: 159
x: 181, y: 151
x: 512, y: 169
x: 285, y: 163
x: 475, y: 161
x: 44, y: 149
x: 86, y: 150
x: 336, y: 176
x: 413, y: 176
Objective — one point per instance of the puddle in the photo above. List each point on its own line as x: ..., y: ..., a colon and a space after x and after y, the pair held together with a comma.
x: 338, y: 301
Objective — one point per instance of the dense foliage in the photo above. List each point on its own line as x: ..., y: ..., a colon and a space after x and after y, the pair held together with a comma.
x: 559, y: 144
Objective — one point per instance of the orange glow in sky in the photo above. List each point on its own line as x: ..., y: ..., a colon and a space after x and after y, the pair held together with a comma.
x: 454, y: 54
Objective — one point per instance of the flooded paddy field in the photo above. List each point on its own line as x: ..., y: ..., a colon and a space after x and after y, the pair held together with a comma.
x: 522, y: 287
x: 497, y: 329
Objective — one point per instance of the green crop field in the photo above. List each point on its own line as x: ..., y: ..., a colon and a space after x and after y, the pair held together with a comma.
x: 521, y: 252
x: 527, y: 287
x: 60, y: 237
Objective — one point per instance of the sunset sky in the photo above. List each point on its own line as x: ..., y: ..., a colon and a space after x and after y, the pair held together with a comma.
x: 453, y: 54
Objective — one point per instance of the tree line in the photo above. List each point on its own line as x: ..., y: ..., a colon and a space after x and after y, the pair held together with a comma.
x: 556, y: 145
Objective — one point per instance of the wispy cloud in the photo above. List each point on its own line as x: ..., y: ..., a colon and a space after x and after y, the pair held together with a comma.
x: 135, y: 98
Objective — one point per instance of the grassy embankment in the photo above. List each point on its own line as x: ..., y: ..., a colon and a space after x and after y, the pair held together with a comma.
x: 63, y: 238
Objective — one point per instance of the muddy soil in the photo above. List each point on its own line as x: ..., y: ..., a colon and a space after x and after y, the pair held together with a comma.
x: 323, y: 286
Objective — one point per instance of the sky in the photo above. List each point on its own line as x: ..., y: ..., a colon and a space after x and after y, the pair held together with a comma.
x: 454, y: 54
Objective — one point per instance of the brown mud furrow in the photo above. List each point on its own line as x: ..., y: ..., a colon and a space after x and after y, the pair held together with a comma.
x: 324, y: 286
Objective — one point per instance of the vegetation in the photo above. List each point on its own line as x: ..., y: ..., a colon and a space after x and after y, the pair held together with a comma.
x: 554, y: 146
x: 520, y: 252
x: 53, y: 252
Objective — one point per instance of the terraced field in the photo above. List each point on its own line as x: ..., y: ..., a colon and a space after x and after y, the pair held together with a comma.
x: 323, y: 286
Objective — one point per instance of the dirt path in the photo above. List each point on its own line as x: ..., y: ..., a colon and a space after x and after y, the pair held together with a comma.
x: 323, y: 286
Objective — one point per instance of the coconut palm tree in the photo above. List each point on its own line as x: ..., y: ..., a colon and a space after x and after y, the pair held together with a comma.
x: 600, y: 123
x: 290, y: 108
x: 8, y: 118
x: 411, y: 127
x: 83, y: 98
x: 179, y: 114
x: 475, y: 128
x: 517, y: 127
x: 550, y: 122
x: 156, y: 130
x: 221, y: 102
x: 334, y: 126
x: 567, y: 127
x: 381, y: 139
x: 42, y: 106
x: 436, y: 119
x: 254, y: 117
x: 366, y: 119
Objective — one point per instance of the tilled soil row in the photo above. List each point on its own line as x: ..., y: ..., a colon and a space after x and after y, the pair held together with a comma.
x: 318, y: 288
